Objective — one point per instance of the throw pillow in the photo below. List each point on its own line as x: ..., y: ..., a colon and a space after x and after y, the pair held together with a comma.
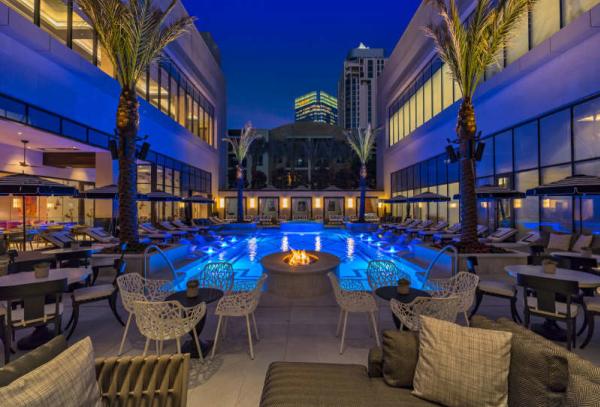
x: 462, y: 367
x: 559, y: 242
x: 32, y: 360
x: 538, y: 376
x: 582, y: 241
x: 400, y: 354
x: 68, y: 380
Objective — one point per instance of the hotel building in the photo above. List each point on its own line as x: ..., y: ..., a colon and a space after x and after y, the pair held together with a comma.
x: 357, y: 87
x: 58, y: 92
x: 316, y: 106
x: 538, y: 112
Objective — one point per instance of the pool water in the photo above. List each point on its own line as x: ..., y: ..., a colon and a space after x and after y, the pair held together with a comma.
x: 244, y: 252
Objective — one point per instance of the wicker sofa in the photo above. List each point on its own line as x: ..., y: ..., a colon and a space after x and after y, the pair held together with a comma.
x: 122, y: 381
x: 572, y: 382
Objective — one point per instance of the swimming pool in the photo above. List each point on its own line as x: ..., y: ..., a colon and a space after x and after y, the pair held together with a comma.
x: 244, y: 252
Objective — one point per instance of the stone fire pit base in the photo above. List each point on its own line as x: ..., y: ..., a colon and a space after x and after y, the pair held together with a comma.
x: 300, y: 281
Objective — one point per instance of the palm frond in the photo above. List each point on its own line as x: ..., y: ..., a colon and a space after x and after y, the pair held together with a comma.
x: 241, y: 145
x: 362, y: 142
x: 470, y: 47
x: 133, y: 33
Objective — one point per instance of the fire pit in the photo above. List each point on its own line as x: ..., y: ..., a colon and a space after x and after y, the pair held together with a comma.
x: 299, y: 273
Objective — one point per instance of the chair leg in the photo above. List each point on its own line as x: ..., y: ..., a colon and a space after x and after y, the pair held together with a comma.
x: 255, y: 327
x: 478, y: 298
x: 590, y: 328
x: 214, y: 347
x: 225, y: 320
x: 156, y: 343
x: 584, y: 324
x: 112, y: 302
x: 198, y: 347
x: 569, y: 333
x: 344, y: 332
x: 374, y: 322
x: 249, y: 337
x: 75, y: 319
x: 95, y: 272
x: 467, y: 318
x: 178, y: 345
x: 339, y: 324
x: 7, y: 341
x: 160, y: 348
x: 146, y: 346
x: 513, y: 310
x: 70, y: 322
x: 125, y: 334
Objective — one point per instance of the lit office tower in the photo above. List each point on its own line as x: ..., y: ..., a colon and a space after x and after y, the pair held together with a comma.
x: 317, y: 106
x: 357, y: 87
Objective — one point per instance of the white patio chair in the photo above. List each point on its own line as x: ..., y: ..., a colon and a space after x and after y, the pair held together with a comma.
x: 217, y: 275
x: 445, y: 309
x: 463, y: 285
x: 382, y: 273
x: 134, y: 287
x: 240, y: 304
x: 351, y: 297
x: 167, y: 320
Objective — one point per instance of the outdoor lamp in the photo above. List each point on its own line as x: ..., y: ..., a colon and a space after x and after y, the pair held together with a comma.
x: 252, y: 203
x: 284, y: 203
x: 350, y: 203
x: 517, y: 203
x: 318, y: 203
x: 221, y: 202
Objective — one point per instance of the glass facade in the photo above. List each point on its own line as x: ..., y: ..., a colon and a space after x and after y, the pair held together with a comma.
x: 522, y: 157
x: 164, y: 85
x: 434, y: 89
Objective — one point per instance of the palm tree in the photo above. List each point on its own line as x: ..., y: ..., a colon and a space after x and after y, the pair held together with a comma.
x: 362, y: 142
x: 468, y: 49
x: 133, y: 34
x: 240, y: 147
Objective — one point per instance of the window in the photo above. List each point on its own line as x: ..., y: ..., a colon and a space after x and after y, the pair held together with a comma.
x: 83, y: 38
x: 527, y: 209
x: 586, y: 129
x: 448, y: 87
x: 485, y: 167
x: 555, y: 138
x: 545, y: 20
x: 436, y: 82
x: 153, y: 95
x: 413, y: 112
x: 587, y: 210
x: 556, y: 212
x: 53, y: 18
x: 526, y: 146
x: 503, y: 149
x: 427, y: 101
x: 518, y: 45
x: 420, y: 106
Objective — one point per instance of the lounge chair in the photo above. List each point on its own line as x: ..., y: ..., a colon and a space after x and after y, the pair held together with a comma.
x: 371, y: 217
x: 481, y: 230
x: 58, y: 239
x: 422, y: 226
x: 153, y: 233
x: 433, y: 229
x: 100, y: 235
x: 265, y: 220
x: 300, y: 217
x: 413, y: 224
x: 335, y: 220
x: 178, y: 223
x: 499, y: 235
x: 529, y: 239
x: 168, y: 226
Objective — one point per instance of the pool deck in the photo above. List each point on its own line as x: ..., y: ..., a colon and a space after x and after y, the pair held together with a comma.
x: 299, y: 330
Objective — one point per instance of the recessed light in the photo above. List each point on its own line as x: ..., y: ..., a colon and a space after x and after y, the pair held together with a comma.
x: 19, y: 133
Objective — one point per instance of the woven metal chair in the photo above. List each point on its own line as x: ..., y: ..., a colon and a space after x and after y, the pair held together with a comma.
x: 134, y: 287
x: 217, y: 275
x: 161, y: 321
x: 382, y: 273
x: 409, y: 314
x: 144, y: 381
x: 463, y: 285
x: 351, y: 297
x: 240, y: 304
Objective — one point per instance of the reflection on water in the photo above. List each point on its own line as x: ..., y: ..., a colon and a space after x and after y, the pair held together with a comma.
x: 318, y: 243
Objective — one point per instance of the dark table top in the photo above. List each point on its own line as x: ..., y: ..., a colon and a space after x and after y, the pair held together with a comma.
x: 206, y: 295
x: 389, y: 292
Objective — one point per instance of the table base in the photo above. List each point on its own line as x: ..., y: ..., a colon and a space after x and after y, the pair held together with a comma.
x: 38, y: 337
x: 190, y: 347
x: 550, y: 330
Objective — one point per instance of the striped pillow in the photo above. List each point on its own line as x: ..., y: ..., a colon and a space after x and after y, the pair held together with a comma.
x: 68, y: 380
x: 462, y: 367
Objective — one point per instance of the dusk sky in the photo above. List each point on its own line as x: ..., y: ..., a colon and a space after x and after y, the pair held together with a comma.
x: 276, y: 50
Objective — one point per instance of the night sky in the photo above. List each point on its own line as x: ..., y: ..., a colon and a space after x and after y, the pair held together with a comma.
x: 276, y: 50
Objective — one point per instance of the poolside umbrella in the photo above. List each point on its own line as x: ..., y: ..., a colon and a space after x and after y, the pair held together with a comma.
x: 159, y: 196
x: 199, y: 200
x: 495, y: 192
x: 32, y: 185
x: 394, y: 200
x: 576, y: 185
x: 428, y: 197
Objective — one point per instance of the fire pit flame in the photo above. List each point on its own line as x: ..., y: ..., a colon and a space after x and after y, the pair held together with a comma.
x: 300, y: 258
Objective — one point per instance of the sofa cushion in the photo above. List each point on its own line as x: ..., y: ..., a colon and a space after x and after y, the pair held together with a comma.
x: 538, y: 376
x: 560, y: 242
x: 331, y: 385
x: 400, y: 355
x: 32, y: 360
x: 582, y: 241
x: 461, y: 366
x: 584, y: 377
x: 68, y: 380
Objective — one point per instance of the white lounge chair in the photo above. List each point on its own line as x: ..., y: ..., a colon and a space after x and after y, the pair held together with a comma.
x: 422, y: 226
x: 100, y: 235
x: 371, y: 217
x: 178, y: 223
x: 430, y: 231
x: 58, y: 239
x: 481, y: 230
x: 168, y: 226
x: 335, y: 220
x: 300, y: 217
x: 412, y: 224
x: 500, y: 235
x: 265, y: 219
x: 153, y: 233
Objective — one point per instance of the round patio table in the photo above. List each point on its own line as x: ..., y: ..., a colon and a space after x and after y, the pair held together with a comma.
x: 206, y: 295
x: 41, y: 334
x: 575, y: 255
x: 550, y: 329
x: 391, y: 291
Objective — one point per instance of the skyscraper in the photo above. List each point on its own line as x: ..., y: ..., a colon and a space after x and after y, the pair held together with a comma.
x: 316, y: 106
x: 357, y: 88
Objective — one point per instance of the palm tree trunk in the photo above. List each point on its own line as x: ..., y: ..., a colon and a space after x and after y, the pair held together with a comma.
x: 466, y: 128
x: 240, y: 193
x: 363, y: 190
x: 127, y: 127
